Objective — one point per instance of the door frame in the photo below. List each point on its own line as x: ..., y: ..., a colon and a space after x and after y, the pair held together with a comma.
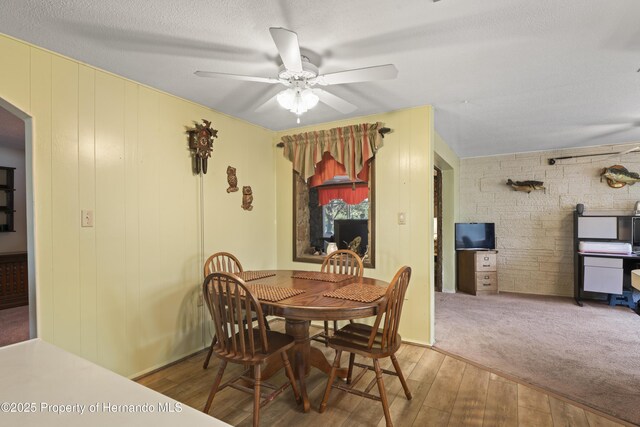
x: 31, y: 244
x: 437, y: 214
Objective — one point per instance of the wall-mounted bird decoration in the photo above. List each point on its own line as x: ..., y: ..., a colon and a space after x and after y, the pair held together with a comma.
x: 527, y: 186
x: 618, y: 176
x: 232, y: 179
x: 247, y: 198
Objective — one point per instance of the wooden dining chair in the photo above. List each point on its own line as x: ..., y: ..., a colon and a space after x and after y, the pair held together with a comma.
x: 342, y: 261
x: 228, y: 263
x: 374, y: 343
x: 244, y: 340
x: 222, y: 261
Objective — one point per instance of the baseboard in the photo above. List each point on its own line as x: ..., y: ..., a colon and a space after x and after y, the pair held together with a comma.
x: 145, y: 373
x: 140, y: 375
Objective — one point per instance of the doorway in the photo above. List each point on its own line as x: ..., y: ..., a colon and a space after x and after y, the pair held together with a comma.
x: 437, y: 228
x: 17, y: 267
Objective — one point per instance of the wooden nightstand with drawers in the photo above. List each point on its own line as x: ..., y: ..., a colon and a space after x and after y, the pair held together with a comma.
x: 478, y: 272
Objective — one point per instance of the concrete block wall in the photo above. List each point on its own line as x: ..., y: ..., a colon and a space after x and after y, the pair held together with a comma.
x: 534, y: 232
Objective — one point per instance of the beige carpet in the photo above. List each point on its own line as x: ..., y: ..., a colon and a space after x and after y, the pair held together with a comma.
x: 589, y: 354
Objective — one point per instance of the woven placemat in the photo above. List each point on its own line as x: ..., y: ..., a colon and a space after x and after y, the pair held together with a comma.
x: 248, y: 276
x: 358, y: 292
x: 323, y: 277
x: 270, y: 293
x: 273, y: 293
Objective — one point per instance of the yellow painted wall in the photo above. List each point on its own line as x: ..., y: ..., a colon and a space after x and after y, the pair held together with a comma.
x: 449, y: 164
x: 124, y: 293
x: 404, y: 183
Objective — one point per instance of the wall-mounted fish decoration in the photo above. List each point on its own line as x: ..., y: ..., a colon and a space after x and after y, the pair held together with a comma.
x: 527, y: 186
x: 618, y: 176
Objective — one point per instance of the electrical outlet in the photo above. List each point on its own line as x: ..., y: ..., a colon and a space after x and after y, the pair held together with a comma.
x: 87, y: 218
x: 200, y: 300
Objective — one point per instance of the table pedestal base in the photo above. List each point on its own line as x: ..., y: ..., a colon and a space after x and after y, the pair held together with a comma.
x: 302, y: 357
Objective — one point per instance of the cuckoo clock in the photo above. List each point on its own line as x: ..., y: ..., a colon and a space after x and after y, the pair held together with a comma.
x: 201, y: 143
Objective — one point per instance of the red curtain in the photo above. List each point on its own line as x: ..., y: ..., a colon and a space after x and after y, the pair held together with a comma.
x: 329, y: 168
x: 345, y: 192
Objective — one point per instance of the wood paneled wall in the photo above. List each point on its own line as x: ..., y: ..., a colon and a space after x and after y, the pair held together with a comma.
x: 124, y: 293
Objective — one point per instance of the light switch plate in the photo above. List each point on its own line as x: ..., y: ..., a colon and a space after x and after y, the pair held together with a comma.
x: 402, y: 218
x: 87, y: 218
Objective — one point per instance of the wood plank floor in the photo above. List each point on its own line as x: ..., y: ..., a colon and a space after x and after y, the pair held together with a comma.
x: 446, y: 392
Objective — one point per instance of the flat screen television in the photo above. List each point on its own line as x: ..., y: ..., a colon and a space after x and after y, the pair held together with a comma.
x: 475, y: 235
x: 345, y: 230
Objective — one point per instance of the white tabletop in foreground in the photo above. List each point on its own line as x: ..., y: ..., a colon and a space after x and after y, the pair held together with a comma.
x: 43, y: 385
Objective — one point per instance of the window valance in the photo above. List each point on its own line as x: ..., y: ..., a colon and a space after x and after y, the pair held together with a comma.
x: 352, y: 146
x: 351, y: 195
x: 328, y: 168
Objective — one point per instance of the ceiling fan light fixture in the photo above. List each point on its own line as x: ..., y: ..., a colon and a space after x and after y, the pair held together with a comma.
x: 286, y: 98
x: 297, y: 100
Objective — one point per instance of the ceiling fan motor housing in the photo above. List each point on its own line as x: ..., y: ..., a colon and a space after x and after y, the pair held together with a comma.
x: 309, y: 71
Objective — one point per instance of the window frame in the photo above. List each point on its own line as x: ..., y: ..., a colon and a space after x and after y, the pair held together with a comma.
x: 317, y: 259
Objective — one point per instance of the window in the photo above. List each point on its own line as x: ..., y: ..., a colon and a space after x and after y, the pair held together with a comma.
x: 339, y: 209
x: 314, y: 224
x: 320, y: 159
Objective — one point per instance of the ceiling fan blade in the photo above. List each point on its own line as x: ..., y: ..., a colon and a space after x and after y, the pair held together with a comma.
x: 379, y: 72
x: 288, y: 47
x: 236, y: 77
x: 268, y: 104
x: 335, y: 102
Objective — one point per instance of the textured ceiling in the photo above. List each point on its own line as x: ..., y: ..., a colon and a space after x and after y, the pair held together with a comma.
x: 504, y: 75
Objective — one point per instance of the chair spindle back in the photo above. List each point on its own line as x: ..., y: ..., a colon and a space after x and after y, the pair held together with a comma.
x: 231, y: 304
x: 222, y: 261
x: 343, y: 261
x: 391, y: 309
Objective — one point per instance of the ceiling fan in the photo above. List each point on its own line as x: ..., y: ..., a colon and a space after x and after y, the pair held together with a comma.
x: 301, y: 77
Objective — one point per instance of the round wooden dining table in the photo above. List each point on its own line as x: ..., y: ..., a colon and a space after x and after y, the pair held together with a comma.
x: 299, y: 310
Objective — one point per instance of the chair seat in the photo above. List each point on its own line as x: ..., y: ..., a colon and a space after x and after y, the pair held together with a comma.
x: 354, y: 337
x: 277, y: 343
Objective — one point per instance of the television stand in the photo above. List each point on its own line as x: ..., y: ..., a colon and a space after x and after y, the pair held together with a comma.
x: 477, y: 271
